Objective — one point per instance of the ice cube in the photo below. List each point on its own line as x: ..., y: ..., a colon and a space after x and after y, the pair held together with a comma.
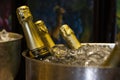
x: 4, y: 35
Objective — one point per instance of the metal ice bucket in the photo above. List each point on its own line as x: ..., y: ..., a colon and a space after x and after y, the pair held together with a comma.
x: 38, y: 70
x: 10, y: 57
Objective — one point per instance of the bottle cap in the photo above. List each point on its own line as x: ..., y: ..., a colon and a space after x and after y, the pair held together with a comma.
x: 23, y: 13
x: 69, y: 36
x: 65, y: 30
x: 41, y: 27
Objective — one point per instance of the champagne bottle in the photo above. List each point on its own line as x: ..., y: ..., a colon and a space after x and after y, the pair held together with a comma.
x: 57, y: 50
x: 69, y: 36
x: 34, y: 42
x: 44, y: 34
x: 113, y: 59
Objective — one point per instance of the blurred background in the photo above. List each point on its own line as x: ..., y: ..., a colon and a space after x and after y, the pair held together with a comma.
x: 78, y: 14
x: 91, y: 20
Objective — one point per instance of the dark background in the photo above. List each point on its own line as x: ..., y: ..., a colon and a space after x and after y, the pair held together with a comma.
x: 103, y: 19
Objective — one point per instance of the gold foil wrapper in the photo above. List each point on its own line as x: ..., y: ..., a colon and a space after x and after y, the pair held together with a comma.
x: 41, y: 27
x: 32, y: 37
x: 69, y: 36
x: 23, y: 13
x: 43, y: 31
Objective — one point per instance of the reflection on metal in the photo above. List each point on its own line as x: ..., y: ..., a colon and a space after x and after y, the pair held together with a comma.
x: 39, y: 70
x: 10, y: 57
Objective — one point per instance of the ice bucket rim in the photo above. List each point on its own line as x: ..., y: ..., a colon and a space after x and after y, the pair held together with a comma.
x: 14, y: 35
x: 65, y: 65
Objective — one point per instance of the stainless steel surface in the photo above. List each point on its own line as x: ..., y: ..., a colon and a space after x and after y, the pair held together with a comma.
x: 38, y: 70
x: 10, y: 57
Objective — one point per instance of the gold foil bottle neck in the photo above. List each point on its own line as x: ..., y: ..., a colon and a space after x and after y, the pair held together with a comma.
x: 34, y: 42
x: 65, y: 30
x: 69, y: 36
x: 23, y: 13
x: 43, y: 31
x: 32, y: 37
x: 41, y: 26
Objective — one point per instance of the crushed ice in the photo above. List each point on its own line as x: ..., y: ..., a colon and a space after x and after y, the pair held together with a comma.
x: 4, y: 36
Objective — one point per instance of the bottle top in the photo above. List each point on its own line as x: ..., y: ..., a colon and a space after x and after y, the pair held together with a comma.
x: 23, y: 13
x: 69, y: 37
x: 32, y: 37
x: 43, y: 31
x: 41, y: 27
x: 66, y: 30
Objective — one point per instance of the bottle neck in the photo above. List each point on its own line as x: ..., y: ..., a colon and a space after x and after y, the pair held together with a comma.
x: 48, y: 40
x: 69, y: 36
x: 44, y: 34
x: 72, y: 41
x: 32, y: 37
